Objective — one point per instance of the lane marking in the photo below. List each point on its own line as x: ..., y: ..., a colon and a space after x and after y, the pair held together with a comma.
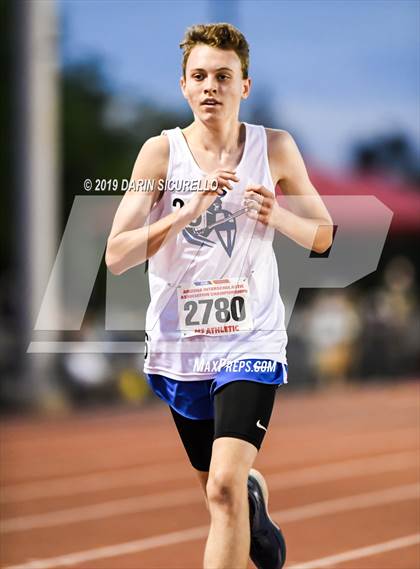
x: 148, y: 543
x: 392, y: 462
x: 135, y: 476
x: 397, y: 494
x: 378, y: 442
x: 358, y: 502
x: 88, y: 483
x: 292, y: 479
x: 368, y: 551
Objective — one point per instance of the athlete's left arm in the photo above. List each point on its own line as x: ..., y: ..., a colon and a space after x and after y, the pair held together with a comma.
x: 307, y: 221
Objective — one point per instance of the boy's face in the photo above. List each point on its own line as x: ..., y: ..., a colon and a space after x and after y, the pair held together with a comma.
x: 216, y: 74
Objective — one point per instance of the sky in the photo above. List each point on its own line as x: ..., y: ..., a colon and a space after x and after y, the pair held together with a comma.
x: 331, y: 72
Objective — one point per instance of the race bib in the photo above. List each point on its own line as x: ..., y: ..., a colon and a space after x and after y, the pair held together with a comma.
x: 215, y: 308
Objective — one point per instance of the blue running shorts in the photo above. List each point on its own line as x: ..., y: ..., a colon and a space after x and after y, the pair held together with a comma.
x: 194, y: 399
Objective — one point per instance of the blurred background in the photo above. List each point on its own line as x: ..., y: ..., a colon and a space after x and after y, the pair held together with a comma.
x: 86, y: 83
x: 92, y: 472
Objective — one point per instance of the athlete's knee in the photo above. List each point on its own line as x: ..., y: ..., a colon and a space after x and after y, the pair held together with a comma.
x: 224, y: 490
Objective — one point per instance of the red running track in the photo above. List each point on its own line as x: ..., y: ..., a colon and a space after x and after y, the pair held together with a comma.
x: 113, y: 489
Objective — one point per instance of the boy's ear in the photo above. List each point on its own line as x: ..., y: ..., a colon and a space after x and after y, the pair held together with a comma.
x: 182, y: 84
x: 246, y: 88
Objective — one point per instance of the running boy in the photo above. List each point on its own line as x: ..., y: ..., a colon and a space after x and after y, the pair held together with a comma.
x: 216, y: 340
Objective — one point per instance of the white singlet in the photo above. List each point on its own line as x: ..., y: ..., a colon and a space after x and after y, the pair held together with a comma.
x: 193, y: 276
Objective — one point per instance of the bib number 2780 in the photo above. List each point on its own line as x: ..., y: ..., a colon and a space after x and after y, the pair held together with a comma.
x: 215, y: 307
x: 223, y: 309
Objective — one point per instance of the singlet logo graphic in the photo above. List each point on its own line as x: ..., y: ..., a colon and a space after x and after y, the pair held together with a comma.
x: 215, y: 222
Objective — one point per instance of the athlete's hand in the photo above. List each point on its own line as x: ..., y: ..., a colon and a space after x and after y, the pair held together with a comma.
x: 261, y: 204
x: 218, y: 183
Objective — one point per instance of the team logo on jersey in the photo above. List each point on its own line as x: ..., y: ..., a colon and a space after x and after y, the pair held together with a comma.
x: 215, y: 223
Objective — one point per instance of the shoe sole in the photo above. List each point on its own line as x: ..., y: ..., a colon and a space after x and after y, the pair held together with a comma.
x: 264, y: 488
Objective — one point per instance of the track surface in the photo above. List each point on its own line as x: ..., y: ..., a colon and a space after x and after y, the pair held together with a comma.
x: 113, y: 489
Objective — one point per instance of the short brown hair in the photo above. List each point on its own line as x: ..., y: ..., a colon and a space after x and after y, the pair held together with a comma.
x: 223, y: 36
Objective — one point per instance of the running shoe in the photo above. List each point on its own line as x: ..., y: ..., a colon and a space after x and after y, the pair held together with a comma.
x: 268, y: 548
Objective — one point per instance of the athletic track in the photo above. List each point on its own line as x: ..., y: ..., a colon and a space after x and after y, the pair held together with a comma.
x: 113, y: 489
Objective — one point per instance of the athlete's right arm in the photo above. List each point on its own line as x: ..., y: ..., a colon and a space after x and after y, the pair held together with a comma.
x: 130, y: 241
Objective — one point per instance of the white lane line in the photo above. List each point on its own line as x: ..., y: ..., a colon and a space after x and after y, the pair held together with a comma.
x: 175, y: 470
x: 87, y: 483
x: 344, y: 469
x: 140, y: 476
x: 116, y: 550
x: 376, y: 549
x: 292, y: 479
x: 360, y: 501
x: 102, y: 510
x: 397, y: 494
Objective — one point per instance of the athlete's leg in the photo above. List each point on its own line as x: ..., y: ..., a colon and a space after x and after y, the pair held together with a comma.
x: 239, y: 407
x: 197, y: 438
x: 242, y: 413
x: 192, y: 409
x: 228, y: 543
x: 203, y: 477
